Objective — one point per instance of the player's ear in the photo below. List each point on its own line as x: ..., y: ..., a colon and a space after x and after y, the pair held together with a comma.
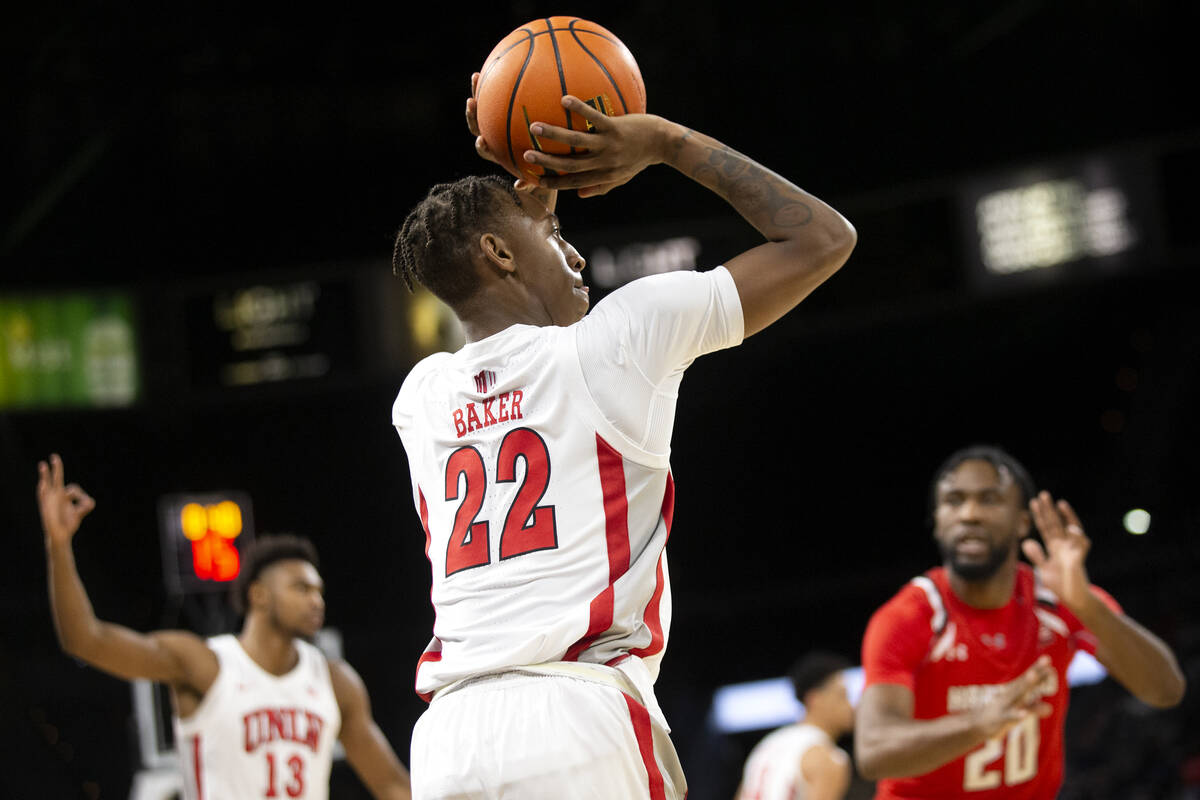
x: 496, y: 252
x: 256, y: 594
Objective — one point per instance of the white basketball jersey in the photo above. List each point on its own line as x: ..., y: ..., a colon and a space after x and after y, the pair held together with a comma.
x: 772, y: 770
x: 259, y: 735
x: 539, y: 465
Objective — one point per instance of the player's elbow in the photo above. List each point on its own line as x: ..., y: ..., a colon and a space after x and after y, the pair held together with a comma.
x: 833, y: 244
x: 867, y: 757
x: 1166, y: 694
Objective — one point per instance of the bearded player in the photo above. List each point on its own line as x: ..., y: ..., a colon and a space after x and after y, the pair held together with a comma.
x: 256, y: 714
x: 539, y: 458
x: 966, y: 667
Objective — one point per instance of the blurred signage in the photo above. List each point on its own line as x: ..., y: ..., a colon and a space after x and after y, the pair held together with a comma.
x: 203, y: 536
x: 1073, y: 217
x: 611, y: 267
x: 68, y: 350
x: 300, y: 330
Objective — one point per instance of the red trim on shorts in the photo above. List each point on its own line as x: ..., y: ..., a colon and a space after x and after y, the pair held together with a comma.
x: 652, y: 617
x: 197, y: 768
x: 616, y: 535
x: 645, y: 739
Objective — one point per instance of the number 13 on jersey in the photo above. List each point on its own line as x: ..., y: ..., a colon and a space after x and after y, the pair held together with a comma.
x: 528, y: 526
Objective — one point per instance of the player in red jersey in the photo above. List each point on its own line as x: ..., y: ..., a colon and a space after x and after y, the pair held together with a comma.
x: 966, y: 689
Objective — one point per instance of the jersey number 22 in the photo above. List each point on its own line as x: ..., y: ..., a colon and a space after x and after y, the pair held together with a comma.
x: 528, y: 527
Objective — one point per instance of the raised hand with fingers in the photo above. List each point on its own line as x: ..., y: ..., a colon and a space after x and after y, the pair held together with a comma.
x: 1060, y: 564
x: 62, y: 508
x: 610, y: 153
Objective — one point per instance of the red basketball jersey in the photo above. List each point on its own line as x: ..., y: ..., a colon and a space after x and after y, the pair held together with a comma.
x: 954, y: 657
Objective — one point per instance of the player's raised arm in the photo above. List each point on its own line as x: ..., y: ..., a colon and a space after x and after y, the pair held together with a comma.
x: 367, y: 749
x: 177, y: 658
x: 889, y: 743
x: 1138, y: 659
x: 807, y: 240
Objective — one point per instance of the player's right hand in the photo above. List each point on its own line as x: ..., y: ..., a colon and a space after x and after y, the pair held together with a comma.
x: 1020, y: 698
x: 62, y: 507
x: 606, y: 156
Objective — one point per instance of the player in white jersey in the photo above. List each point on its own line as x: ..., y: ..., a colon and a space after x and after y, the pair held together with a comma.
x: 802, y: 761
x: 256, y: 714
x: 539, y: 458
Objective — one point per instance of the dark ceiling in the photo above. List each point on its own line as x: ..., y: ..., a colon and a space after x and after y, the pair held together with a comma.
x: 148, y: 139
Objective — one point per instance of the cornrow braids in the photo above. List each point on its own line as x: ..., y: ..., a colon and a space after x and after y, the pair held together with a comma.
x: 433, y: 245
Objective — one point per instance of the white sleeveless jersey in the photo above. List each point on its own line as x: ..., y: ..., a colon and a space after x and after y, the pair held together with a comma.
x: 539, y: 466
x: 256, y: 735
x: 772, y: 770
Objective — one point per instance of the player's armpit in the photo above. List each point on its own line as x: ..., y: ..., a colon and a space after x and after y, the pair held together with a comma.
x: 827, y: 775
x: 367, y: 749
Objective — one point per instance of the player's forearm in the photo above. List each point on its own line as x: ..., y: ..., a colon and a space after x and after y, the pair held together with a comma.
x: 74, y: 620
x: 1138, y: 659
x: 777, y: 208
x: 904, y: 748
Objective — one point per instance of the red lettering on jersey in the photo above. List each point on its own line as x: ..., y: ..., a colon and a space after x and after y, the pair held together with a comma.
x: 473, y: 423
x: 314, y: 724
x: 466, y: 419
x: 267, y: 725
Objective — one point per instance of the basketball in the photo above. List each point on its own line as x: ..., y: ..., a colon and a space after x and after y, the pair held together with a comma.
x: 526, y: 75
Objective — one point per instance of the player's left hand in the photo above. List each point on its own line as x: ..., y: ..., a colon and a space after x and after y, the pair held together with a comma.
x: 547, y: 196
x: 1061, y: 563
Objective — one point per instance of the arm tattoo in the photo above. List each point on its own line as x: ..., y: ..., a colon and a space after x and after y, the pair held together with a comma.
x: 757, y: 193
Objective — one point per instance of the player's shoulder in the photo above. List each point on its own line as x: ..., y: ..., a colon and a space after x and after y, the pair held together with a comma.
x: 918, y: 601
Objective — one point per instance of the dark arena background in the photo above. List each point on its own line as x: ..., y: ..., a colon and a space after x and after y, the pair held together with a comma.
x: 196, y: 219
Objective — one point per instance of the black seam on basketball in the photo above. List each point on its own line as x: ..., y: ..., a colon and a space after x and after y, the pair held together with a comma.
x: 562, y: 78
x: 512, y: 101
x: 604, y: 69
x: 533, y: 35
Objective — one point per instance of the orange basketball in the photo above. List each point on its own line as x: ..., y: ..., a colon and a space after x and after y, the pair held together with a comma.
x: 528, y: 72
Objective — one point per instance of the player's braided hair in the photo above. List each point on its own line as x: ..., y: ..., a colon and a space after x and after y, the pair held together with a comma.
x: 995, y: 456
x: 433, y: 245
x: 266, y: 551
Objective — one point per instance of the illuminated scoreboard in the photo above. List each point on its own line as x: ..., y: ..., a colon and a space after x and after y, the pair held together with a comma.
x: 203, y: 537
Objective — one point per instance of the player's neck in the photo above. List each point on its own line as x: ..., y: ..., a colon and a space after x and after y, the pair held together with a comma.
x: 272, y: 649
x: 827, y: 726
x: 993, y: 592
x: 491, y: 311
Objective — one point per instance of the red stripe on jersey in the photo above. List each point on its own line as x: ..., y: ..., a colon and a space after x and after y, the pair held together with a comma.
x: 428, y: 655
x: 653, y: 614
x: 197, y: 769
x: 423, y: 510
x: 616, y: 534
x: 645, y: 740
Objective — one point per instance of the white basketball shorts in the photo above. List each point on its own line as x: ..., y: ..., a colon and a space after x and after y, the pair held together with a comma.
x: 519, y: 736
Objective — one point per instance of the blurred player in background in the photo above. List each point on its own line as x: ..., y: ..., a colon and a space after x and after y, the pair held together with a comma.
x: 966, y: 667
x: 256, y: 714
x: 802, y: 761
x: 539, y: 457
